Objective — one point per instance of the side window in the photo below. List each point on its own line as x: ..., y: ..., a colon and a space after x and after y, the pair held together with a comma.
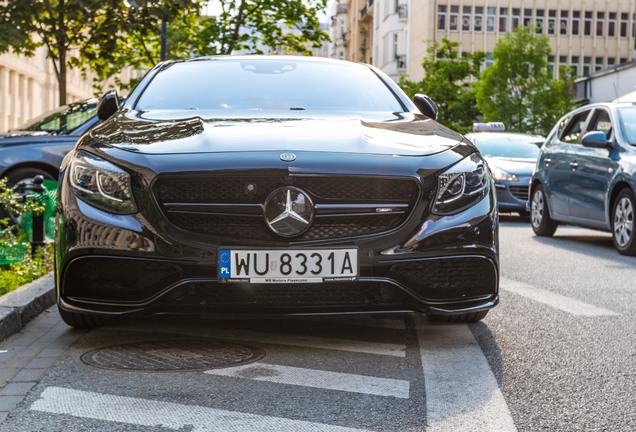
x: 572, y: 131
x: 601, y: 122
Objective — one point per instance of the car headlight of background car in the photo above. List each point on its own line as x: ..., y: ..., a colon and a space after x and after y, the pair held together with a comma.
x: 462, y: 185
x: 101, y: 184
x: 499, y: 175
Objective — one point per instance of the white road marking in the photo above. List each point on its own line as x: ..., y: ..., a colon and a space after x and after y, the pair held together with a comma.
x: 461, y: 391
x: 558, y: 301
x: 150, y: 413
x: 359, y: 346
x: 318, y: 379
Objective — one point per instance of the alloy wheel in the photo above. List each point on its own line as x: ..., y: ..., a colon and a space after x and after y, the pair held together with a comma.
x: 623, y: 221
x: 536, y: 211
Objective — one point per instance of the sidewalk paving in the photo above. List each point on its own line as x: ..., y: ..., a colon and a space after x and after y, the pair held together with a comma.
x: 19, y: 307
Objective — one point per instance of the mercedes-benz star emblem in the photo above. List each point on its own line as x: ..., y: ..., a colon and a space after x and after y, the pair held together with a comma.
x: 289, y: 211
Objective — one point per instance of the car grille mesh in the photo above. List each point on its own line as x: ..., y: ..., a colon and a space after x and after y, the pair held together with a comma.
x: 520, y: 192
x: 448, y: 279
x: 232, y: 192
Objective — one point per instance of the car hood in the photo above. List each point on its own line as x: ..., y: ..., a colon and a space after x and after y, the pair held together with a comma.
x: 402, y: 134
x: 520, y: 167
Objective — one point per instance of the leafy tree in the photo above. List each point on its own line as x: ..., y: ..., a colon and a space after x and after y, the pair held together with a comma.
x: 67, y: 28
x: 518, y: 89
x: 251, y: 26
x: 449, y: 80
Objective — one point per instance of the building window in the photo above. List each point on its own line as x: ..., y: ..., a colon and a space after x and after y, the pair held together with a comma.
x: 576, y: 20
x: 611, y: 25
x: 515, y: 18
x: 527, y: 17
x: 479, y: 18
x: 551, y: 65
x: 490, y: 19
x: 551, y: 22
x: 466, y: 16
x: 624, y: 24
x: 587, y: 26
x: 454, y: 18
x: 575, y: 66
x: 503, y: 20
x: 600, y: 18
x: 395, y: 45
x: 611, y: 62
x: 539, y: 20
x: 563, y: 22
x: 441, y: 17
x: 587, y: 64
x: 489, y: 60
x: 598, y: 64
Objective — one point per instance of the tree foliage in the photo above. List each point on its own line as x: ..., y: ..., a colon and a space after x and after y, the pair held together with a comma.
x: 449, y: 80
x: 105, y: 36
x: 518, y: 89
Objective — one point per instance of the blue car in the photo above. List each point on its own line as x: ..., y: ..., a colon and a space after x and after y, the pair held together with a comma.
x: 585, y: 174
x: 38, y: 146
x: 511, y: 158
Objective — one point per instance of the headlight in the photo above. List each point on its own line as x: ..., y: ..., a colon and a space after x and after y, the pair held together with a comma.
x: 499, y: 174
x: 462, y: 185
x: 101, y: 184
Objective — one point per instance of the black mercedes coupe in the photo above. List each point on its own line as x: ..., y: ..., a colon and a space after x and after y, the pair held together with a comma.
x: 257, y: 185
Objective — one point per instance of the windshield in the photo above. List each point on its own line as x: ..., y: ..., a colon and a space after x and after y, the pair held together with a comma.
x: 267, y: 84
x: 521, y: 147
x: 627, y: 120
x: 64, y: 119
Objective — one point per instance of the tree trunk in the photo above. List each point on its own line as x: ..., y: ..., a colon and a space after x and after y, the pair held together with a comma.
x: 61, y: 78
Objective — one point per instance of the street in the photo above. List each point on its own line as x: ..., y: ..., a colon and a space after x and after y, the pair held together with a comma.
x: 557, y: 354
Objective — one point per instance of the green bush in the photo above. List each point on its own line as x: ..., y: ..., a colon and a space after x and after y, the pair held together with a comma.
x: 15, y: 275
x: 17, y: 267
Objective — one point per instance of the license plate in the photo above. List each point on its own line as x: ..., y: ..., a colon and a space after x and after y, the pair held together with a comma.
x: 287, y: 265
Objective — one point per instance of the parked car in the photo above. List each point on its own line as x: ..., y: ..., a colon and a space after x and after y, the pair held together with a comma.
x: 38, y: 146
x: 273, y: 185
x: 586, y: 174
x: 511, y: 157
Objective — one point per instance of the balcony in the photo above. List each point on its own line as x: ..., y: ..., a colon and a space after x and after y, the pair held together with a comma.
x: 366, y: 9
x: 400, y: 60
x: 403, y: 11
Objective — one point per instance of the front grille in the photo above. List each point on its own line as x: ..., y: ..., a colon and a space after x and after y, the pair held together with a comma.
x: 224, y: 206
x: 520, y: 192
x: 448, y: 279
x: 297, y: 296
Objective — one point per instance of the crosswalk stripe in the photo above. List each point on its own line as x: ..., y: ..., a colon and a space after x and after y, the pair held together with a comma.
x: 461, y: 390
x: 151, y: 413
x: 558, y: 301
x: 318, y: 379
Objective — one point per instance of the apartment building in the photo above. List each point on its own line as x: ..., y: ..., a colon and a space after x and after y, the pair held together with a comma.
x: 587, y: 35
x: 28, y: 88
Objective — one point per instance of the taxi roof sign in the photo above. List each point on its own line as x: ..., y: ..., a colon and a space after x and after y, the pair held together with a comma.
x: 489, y: 127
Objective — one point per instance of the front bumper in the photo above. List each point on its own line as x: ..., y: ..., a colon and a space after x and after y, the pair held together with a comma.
x: 142, y: 265
x: 513, y: 196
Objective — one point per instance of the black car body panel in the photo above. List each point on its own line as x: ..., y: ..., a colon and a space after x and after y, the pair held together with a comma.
x: 202, y: 183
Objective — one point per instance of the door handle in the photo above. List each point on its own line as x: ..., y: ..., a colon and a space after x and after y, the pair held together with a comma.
x: 574, y: 165
x: 547, y: 161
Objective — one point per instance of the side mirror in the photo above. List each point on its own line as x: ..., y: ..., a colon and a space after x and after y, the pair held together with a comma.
x: 108, y: 105
x: 426, y: 105
x: 596, y: 139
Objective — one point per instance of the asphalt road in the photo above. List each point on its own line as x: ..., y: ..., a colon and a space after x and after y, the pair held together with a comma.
x: 557, y: 354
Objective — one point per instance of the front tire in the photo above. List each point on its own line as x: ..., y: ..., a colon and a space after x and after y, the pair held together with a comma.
x: 623, y: 223
x: 542, y: 223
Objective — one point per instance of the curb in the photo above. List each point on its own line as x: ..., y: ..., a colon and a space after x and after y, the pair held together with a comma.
x: 19, y: 307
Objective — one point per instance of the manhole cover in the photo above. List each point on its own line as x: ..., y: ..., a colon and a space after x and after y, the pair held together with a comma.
x: 179, y: 355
